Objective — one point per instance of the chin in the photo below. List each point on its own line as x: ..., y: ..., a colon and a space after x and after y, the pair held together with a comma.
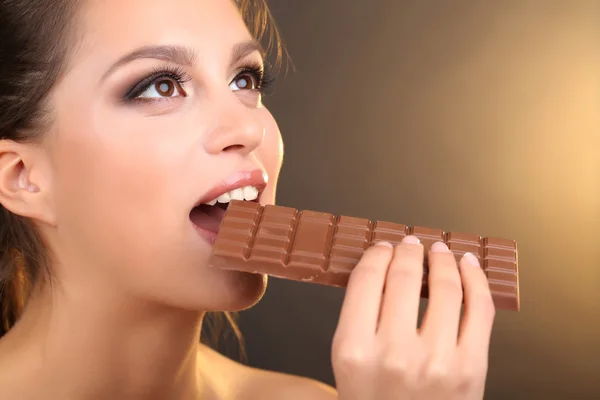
x: 240, y: 291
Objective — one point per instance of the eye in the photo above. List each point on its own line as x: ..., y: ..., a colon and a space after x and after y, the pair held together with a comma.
x: 163, y: 82
x: 245, y: 81
x: 163, y: 87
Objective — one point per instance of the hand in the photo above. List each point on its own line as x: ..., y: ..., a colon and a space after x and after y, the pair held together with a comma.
x: 379, y: 354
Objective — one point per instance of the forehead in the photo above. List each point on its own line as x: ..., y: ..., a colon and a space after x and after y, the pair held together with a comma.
x: 115, y: 26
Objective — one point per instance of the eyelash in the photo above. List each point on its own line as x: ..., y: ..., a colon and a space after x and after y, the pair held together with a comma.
x: 176, y: 73
x: 261, y: 74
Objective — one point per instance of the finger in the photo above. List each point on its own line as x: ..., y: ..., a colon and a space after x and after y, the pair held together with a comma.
x: 360, y: 310
x: 400, y: 308
x: 478, y: 318
x: 439, y: 328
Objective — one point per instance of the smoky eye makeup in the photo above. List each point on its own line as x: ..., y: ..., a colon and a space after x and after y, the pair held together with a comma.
x: 255, y: 76
x: 167, y: 82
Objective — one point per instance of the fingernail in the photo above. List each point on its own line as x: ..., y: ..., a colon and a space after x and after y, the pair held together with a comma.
x: 384, y: 244
x: 439, y: 247
x: 411, y: 239
x: 471, y: 259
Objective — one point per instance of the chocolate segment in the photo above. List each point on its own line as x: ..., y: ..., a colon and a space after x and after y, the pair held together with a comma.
x: 322, y: 248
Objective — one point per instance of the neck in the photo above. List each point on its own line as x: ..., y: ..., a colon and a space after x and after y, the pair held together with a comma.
x: 97, y: 344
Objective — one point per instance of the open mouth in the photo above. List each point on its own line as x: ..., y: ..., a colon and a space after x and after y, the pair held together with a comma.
x: 208, y: 216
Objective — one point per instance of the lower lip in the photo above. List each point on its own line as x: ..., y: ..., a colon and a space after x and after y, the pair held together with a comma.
x: 209, y: 237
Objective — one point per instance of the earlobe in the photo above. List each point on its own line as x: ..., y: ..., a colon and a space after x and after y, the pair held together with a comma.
x: 19, y: 193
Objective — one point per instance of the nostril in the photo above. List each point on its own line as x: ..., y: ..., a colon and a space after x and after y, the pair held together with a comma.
x: 233, y: 147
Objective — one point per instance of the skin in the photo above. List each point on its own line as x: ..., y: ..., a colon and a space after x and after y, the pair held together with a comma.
x: 111, y: 185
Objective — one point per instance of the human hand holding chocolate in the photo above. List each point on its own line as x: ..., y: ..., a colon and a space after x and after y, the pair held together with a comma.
x: 378, y: 352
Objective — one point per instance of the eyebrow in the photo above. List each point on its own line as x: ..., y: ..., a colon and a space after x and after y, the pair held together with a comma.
x: 181, y: 55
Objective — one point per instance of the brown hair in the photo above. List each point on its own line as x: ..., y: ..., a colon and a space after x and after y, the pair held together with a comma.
x: 33, y: 53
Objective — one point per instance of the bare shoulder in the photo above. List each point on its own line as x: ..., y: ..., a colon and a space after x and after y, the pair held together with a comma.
x: 275, y: 385
x: 248, y: 383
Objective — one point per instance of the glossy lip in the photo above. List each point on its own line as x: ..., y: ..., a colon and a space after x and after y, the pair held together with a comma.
x: 257, y: 178
x: 209, y: 237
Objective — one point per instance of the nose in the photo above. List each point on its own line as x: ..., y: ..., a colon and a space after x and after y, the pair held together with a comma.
x: 236, y: 128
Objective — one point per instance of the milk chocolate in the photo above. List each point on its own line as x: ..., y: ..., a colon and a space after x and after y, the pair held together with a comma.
x: 322, y: 248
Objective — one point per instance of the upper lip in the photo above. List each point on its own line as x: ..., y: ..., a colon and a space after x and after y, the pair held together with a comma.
x: 257, y: 178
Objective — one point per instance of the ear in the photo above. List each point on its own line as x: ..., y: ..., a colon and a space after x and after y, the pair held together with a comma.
x: 24, y: 183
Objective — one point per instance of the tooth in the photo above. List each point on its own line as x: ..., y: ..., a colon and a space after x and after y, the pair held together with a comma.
x: 224, y: 198
x: 237, y: 194
x: 212, y: 202
x: 250, y: 193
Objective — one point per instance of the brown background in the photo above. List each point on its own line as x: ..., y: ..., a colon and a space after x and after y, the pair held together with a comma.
x: 476, y: 116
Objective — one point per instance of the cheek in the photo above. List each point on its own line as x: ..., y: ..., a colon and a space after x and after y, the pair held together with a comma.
x: 108, y: 164
x: 115, y: 181
x: 271, y: 154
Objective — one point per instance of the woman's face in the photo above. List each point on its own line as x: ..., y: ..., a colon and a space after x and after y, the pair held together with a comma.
x: 159, y: 110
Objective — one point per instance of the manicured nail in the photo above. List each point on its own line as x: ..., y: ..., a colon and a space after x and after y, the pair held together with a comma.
x: 384, y: 244
x: 471, y: 259
x: 439, y: 247
x: 411, y: 239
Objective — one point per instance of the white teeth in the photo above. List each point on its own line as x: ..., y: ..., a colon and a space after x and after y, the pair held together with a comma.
x: 224, y: 198
x: 237, y: 194
x: 247, y: 193
x: 250, y: 193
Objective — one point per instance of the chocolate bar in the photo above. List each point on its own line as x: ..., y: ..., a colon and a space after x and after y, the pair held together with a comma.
x: 321, y: 248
